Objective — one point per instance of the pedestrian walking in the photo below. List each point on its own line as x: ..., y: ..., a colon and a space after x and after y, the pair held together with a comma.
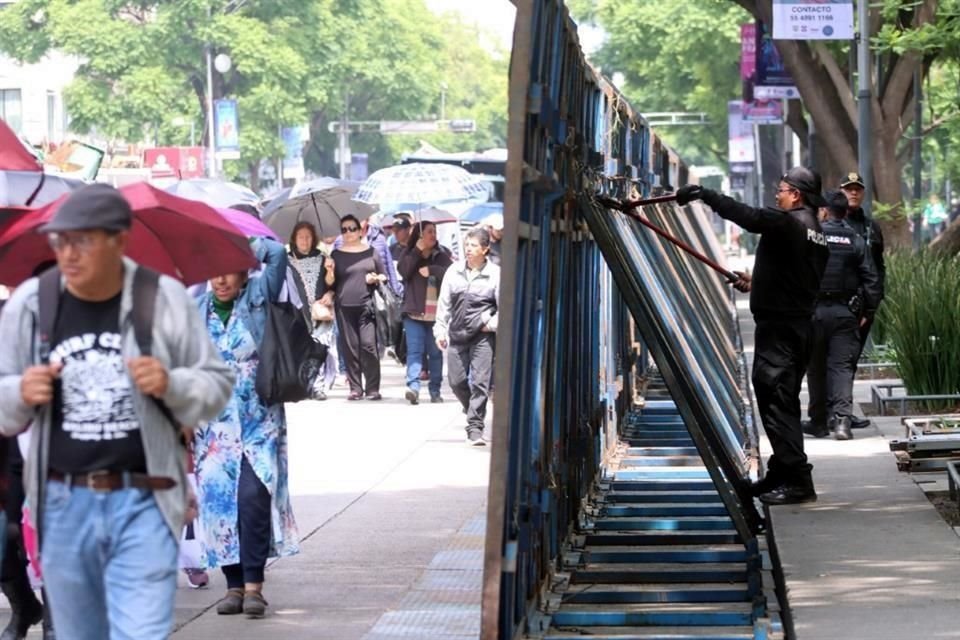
x: 308, y: 261
x: 848, y: 297
x: 872, y: 235
x: 241, y: 454
x: 422, y: 266
x: 402, y: 228
x: 105, y: 472
x: 352, y: 275
x: 466, y: 326
x: 791, y: 257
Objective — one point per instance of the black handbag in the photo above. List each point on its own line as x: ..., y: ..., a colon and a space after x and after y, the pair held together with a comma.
x: 290, y: 358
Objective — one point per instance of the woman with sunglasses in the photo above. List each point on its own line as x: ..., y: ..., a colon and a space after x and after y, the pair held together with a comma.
x: 353, y: 273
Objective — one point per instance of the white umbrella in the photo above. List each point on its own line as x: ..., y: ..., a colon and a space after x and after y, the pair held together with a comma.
x: 422, y: 184
x: 430, y: 214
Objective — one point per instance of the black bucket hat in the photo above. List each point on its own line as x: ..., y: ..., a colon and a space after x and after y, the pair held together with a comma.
x: 806, y: 181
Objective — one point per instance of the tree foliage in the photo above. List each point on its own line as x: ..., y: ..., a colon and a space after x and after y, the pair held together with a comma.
x: 676, y: 55
x: 682, y: 54
x: 143, y: 64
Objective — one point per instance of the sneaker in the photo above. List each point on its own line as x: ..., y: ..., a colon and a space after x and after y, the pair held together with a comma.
x: 475, y: 438
x: 197, y: 578
x: 318, y: 395
x: 374, y: 396
x: 789, y: 494
x: 436, y: 398
x: 232, y: 603
x: 355, y: 395
x: 412, y: 396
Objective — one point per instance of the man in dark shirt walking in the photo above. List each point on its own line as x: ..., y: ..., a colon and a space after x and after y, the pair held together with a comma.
x: 105, y: 470
x: 791, y: 257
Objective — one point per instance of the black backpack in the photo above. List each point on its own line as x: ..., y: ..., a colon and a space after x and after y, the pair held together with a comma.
x: 146, y: 283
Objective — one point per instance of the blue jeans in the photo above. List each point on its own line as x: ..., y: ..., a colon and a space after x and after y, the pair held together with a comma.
x: 109, y: 564
x: 419, y: 341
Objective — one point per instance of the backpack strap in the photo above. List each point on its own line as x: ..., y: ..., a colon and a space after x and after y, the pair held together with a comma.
x: 48, y: 300
x: 146, y: 284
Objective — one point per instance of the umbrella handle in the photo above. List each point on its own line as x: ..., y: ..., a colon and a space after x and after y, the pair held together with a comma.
x: 36, y: 192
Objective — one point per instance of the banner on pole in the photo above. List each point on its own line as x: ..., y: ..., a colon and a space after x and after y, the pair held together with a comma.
x: 293, y: 140
x: 813, y: 19
x: 740, y: 145
x: 226, y: 128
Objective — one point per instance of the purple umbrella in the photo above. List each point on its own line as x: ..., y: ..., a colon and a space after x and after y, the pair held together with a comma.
x: 250, y: 226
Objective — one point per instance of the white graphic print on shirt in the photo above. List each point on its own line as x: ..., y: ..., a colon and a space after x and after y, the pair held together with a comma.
x: 97, y: 399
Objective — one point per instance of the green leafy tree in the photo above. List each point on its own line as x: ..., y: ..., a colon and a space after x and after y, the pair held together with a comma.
x: 667, y: 66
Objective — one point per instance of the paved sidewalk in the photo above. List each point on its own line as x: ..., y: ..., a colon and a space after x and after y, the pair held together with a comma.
x: 871, y: 559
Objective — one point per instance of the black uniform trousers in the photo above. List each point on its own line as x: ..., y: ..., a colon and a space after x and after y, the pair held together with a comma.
x: 358, y: 347
x: 782, y: 351
x: 255, y: 528
x: 836, y: 347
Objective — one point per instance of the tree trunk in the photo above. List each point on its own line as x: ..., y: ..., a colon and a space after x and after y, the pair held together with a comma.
x: 948, y: 242
x: 254, y: 168
x: 829, y: 99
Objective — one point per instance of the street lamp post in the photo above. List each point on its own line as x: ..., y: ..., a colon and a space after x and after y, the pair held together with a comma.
x: 211, y: 150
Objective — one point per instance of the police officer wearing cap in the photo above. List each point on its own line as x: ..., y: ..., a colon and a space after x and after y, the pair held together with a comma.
x: 868, y: 229
x: 790, y: 260
x: 849, y: 294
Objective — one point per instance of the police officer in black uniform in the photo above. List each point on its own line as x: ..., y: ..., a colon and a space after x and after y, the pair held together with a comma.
x: 849, y: 294
x: 868, y: 229
x: 790, y: 260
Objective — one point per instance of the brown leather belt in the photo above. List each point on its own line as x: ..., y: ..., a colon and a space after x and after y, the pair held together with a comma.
x: 113, y: 481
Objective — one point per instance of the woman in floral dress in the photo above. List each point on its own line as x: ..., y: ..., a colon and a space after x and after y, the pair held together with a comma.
x: 241, y: 456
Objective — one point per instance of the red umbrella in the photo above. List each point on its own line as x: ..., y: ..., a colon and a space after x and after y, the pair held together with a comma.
x: 13, y: 155
x: 182, y: 238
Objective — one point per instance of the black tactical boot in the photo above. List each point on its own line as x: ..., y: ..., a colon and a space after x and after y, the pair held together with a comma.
x: 25, y: 609
x: 815, y: 430
x: 859, y: 423
x: 840, y: 426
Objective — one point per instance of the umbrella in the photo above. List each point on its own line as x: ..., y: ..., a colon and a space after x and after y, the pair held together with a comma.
x: 421, y: 184
x: 181, y: 238
x: 247, y: 224
x: 478, y: 213
x: 216, y: 193
x: 430, y: 214
x: 13, y: 155
x: 34, y: 188
x: 321, y: 202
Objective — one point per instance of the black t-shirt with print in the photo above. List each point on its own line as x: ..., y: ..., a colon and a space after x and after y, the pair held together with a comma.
x: 95, y: 426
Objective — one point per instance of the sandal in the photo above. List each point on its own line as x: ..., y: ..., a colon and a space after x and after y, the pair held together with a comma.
x: 232, y: 603
x: 254, y: 605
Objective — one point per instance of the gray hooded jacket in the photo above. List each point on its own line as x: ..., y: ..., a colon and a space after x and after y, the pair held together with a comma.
x: 200, y: 385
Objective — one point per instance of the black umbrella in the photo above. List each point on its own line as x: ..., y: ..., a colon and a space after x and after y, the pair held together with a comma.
x: 321, y: 202
x: 32, y: 188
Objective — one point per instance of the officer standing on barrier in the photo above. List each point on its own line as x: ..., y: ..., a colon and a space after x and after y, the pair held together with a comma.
x: 868, y: 229
x: 849, y: 294
x: 790, y: 260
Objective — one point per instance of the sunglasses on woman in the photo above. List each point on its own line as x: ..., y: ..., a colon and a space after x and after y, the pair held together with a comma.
x: 349, y: 229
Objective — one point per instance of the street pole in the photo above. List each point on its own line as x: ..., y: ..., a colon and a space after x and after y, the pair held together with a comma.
x: 211, y: 150
x: 280, y: 160
x: 917, y: 159
x: 344, y: 137
x: 863, y: 102
x: 193, y: 133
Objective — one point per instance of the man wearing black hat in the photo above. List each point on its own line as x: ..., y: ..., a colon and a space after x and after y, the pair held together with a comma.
x: 868, y: 229
x: 790, y: 260
x: 105, y: 472
x: 401, y: 234
x: 849, y: 291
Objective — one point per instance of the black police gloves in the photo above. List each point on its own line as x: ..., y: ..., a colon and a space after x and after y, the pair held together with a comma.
x: 688, y: 193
